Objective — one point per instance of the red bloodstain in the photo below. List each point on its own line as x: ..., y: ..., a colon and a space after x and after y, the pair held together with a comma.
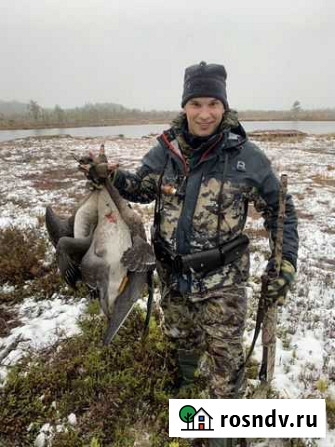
x: 111, y: 218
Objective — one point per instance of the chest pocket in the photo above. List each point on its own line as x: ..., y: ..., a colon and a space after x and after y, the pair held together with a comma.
x: 173, y: 184
x: 233, y: 210
x: 234, y: 207
x: 235, y: 196
x: 172, y: 173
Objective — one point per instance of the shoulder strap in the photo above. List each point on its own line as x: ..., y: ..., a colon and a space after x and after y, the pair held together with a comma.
x: 220, y: 198
x: 157, y: 212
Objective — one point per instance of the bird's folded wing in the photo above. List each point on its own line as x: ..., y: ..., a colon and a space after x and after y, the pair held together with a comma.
x: 139, y: 257
x: 58, y: 227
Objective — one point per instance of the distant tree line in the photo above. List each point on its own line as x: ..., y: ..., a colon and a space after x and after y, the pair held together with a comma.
x: 14, y: 115
x: 99, y: 114
x: 295, y: 113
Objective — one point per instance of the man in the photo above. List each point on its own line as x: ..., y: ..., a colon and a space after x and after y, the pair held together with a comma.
x: 202, y: 174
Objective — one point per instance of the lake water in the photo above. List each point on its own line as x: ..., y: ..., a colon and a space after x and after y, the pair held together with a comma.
x: 138, y: 131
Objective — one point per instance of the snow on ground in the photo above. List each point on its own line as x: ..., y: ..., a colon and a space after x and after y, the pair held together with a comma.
x: 309, y: 316
x: 35, y: 172
x: 43, y: 323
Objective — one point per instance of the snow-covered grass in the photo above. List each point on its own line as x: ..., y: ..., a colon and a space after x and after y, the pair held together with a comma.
x: 42, y: 324
x: 35, y: 172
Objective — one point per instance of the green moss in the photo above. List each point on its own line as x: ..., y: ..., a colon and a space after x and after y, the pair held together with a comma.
x: 322, y: 385
x: 252, y: 369
x: 330, y: 409
x: 110, y: 389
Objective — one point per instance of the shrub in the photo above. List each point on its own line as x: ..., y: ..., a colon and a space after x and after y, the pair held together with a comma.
x: 21, y: 253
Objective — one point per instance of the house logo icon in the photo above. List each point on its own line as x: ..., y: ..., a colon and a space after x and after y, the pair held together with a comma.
x: 195, y: 420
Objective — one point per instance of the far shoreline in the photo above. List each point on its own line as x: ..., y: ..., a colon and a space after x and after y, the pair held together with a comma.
x: 112, y: 123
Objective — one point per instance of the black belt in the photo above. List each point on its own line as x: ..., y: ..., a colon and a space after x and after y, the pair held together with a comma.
x: 202, y: 261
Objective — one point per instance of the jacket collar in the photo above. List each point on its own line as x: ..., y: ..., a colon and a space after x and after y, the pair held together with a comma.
x: 230, y: 134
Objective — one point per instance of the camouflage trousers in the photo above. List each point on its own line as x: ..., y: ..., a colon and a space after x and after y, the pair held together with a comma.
x: 208, y: 333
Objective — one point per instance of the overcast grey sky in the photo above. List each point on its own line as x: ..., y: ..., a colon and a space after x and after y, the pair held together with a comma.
x: 135, y: 52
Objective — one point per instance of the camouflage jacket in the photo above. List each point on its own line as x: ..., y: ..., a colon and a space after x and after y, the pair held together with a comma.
x: 192, y: 218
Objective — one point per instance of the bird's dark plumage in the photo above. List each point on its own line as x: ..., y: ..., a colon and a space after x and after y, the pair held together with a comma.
x: 69, y: 254
x: 57, y: 226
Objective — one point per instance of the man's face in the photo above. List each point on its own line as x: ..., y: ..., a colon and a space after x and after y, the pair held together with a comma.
x: 203, y: 115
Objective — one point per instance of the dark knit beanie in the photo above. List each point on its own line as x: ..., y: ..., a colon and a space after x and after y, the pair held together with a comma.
x: 205, y: 80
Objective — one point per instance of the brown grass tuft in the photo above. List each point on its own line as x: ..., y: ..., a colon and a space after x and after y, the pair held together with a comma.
x: 48, y: 185
x: 323, y: 180
x: 8, y: 321
x: 303, y: 215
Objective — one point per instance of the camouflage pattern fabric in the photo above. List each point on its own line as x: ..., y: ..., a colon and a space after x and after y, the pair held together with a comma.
x: 209, y: 333
x: 202, y: 205
x: 233, y: 172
